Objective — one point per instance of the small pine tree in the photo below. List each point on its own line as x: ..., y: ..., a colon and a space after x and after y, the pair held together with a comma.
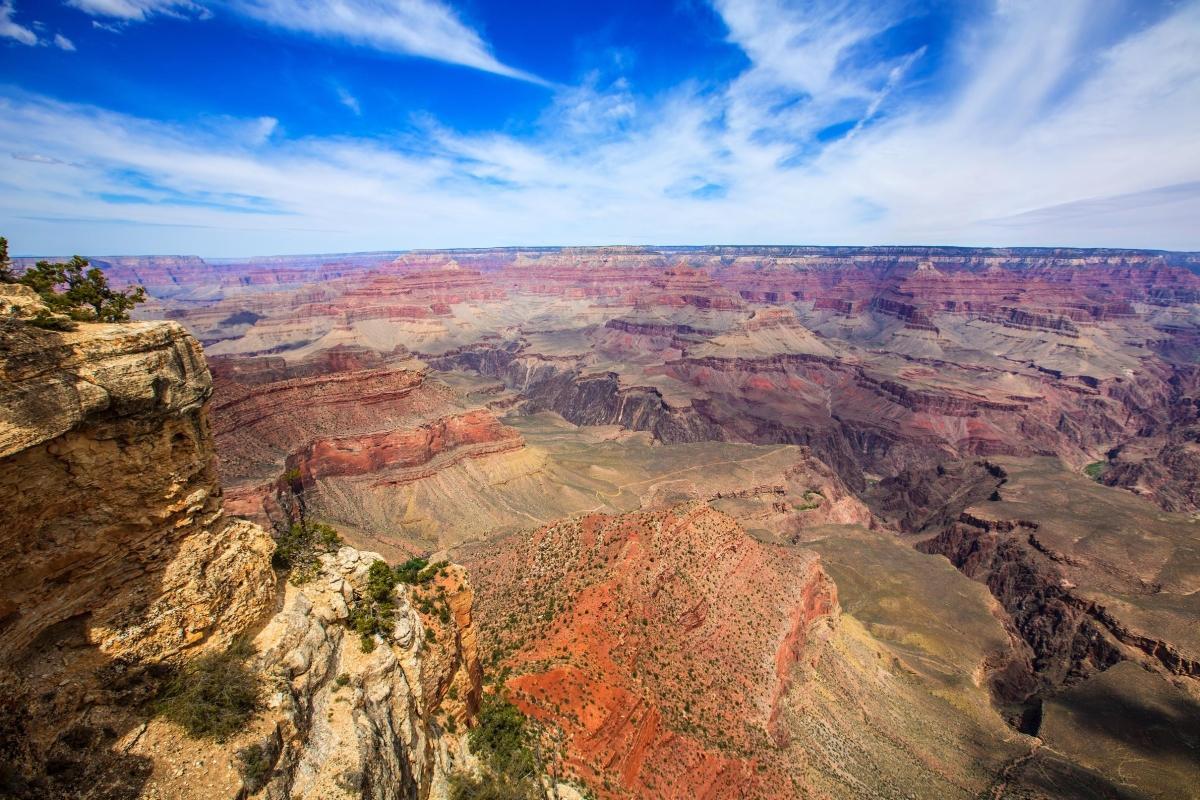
x: 6, y: 273
x: 87, y: 295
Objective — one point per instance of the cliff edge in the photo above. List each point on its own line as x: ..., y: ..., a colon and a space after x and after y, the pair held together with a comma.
x: 119, y: 567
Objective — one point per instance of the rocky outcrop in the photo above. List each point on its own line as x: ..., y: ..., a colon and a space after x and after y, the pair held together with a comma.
x: 109, y: 503
x: 389, y: 723
x: 116, y: 553
x: 119, y: 564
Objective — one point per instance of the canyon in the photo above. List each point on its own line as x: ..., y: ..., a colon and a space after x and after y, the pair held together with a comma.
x: 718, y: 521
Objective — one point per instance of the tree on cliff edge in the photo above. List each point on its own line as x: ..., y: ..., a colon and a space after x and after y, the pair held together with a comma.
x: 87, y: 295
x: 6, y: 273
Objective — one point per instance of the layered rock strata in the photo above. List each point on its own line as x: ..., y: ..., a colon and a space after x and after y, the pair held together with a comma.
x: 120, y: 564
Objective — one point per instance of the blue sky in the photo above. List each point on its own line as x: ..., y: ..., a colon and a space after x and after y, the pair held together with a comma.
x: 238, y: 127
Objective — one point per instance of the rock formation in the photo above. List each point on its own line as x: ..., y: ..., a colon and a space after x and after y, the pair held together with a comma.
x: 120, y: 564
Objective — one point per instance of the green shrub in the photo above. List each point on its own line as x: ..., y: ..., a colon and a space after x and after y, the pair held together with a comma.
x: 85, y: 293
x: 298, y: 549
x: 490, y: 786
x: 1096, y: 469
x: 502, y: 737
x: 503, y: 740
x: 428, y: 573
x: 375, y: 612
x: 213, y: 696
x: 380, y: 582
x: 409, y: 570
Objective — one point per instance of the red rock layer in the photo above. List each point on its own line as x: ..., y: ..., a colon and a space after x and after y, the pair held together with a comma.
x: 452, y: 438
x: 681, y: 286
x: 660, y: 644
x: 263, y: 410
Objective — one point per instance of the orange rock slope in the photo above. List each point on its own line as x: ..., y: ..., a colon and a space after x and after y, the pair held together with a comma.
x: 659, y: 643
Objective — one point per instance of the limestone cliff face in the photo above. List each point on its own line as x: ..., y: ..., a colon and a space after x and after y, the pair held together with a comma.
x: 115, y: 555
x: 109, y: 504
x: 118, y: 561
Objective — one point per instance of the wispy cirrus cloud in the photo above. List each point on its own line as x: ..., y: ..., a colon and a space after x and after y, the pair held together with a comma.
x: 348, y: 100
x: 426, y: 28
x: 1096, y: 147
x: 138, y: 10
x: 422, y: 28
x: 10, y: 29
x: 30, y: 36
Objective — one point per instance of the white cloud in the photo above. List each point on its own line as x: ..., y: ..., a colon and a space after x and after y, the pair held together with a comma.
x: 11, y: 30
x: 427, y: 28
x: 36, y: 158
x: 348, y: 100
x: 63, y: 43
x: 424, y: 28
x: 137, y: 10
x: 1105, y: 157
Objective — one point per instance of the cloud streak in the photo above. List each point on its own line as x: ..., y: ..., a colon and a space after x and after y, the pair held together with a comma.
x: 422, y: 28
x: 9, y: 29
x: 1102, y: 156
x: 426, y: 28
x: 138, y: 10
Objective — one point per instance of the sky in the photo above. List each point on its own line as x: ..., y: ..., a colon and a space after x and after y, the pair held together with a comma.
x: 230, y: 128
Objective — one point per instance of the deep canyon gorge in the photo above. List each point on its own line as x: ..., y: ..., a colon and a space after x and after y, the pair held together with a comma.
x: 749, y: 522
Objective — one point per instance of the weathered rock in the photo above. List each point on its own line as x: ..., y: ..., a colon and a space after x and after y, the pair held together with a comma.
x: 374, y: 723
x: 118, y: 562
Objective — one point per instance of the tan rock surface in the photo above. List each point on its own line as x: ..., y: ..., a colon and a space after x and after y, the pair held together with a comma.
x: 119, y: 561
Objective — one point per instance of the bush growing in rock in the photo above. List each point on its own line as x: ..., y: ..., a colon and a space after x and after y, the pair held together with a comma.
x: 503, y: 739
x: 80, y: 290
x: 213, y: 696
x: 254, y: 765
x: 375, y: 612
x: 297, y: 550
x: 409, y: 570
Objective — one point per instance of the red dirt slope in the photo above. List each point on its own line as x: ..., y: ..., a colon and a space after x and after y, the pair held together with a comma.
x: 659, y: 642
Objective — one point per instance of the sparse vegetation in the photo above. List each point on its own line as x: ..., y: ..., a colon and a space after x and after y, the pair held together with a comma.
x: 504, y: 739
x: 502, y: 736
x: 213, y: 696
x: 254, y: 765
x: 374, y: 613
x: 297, y: 551
x: 430, y: 572
x: 80, y: 290
x: 409, y: 570
x: 490, y: 786
x: 812, y: 499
